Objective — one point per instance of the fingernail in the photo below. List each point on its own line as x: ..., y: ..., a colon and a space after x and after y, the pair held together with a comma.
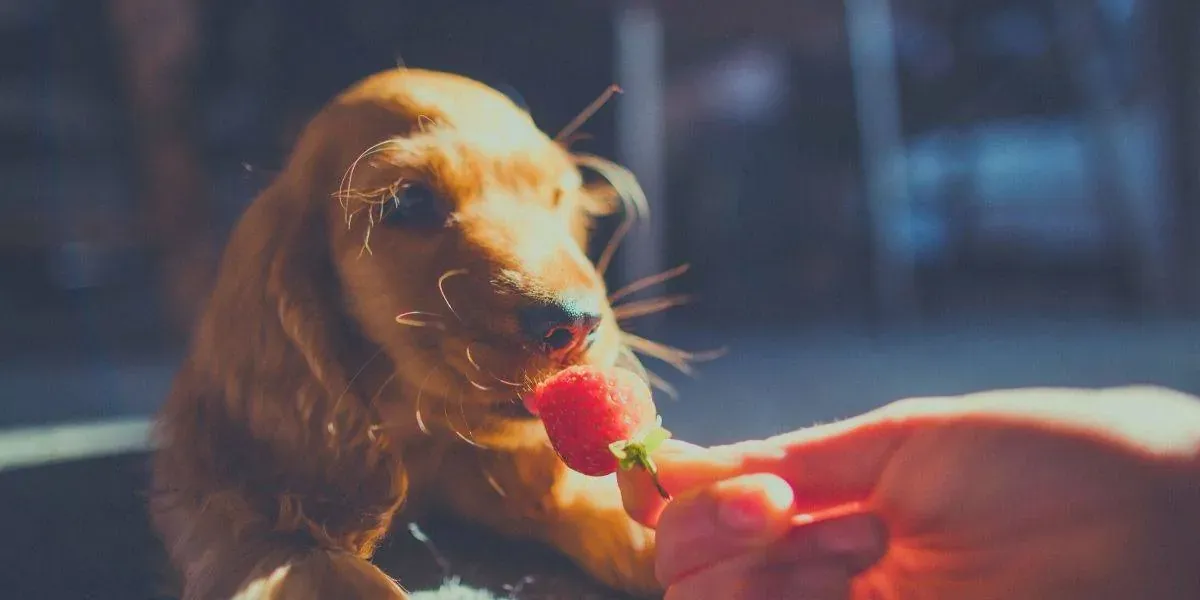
x: 749, y: 507
x: 743, y: 514
x: 836, y: 512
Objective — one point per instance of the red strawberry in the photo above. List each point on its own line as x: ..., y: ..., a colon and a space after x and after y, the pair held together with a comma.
x: 599, y: 422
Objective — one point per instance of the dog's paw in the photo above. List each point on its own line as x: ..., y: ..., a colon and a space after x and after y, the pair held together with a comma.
x: 619, y: 552
x: 324, y: 575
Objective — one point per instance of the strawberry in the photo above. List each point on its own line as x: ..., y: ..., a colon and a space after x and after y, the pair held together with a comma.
x: 599, y: 422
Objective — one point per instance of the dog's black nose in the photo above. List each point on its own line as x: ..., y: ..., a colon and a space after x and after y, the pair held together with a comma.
x: 560, y: 328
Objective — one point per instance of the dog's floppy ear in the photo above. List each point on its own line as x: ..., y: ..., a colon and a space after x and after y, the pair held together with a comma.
x: 303, y: 286
x: 275, y: 321
x: 613, y: 190
x: 273, y: 351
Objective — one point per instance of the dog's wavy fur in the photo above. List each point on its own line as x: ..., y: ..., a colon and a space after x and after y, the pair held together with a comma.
x: 306, y: 415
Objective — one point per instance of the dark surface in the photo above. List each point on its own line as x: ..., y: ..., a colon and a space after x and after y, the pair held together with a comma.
x: 78, y: 531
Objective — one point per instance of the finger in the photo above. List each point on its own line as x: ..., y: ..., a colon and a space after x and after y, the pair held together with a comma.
x: 813, y: 581
x: 835, y: 463
x: 855, y: 541
x: 827, y: 465
x: 841, y: 462
x: 747, y: 577
x: 681, y: 467
x: 732, y: 517
x: 815, y: 561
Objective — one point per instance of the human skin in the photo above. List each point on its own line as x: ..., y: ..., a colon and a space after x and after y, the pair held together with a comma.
x: 1036, y: 494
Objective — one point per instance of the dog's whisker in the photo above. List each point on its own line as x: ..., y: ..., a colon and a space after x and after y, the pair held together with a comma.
x: 641, y: 308
x: 412, y: 323
x: 478, y: 386
x: 366, y: 247
x: 632, y: 197
x: 425, y: 123
x: 628, y: 359
x: 350, y: 384
x: 632, y: 363
x: 442, y: 289
x: 680, y: 359
x: 474, y: 363
x: 588, y: 112
x: 648, y: 281
x: 570, y: 140
x: 345, y: 185
x: 344, y: 196
x: 421, y: 390
x: 487, y: 474
x: 495, y: 484
x: 347, y: 182
x: 421, y: 422
x: 405, y: 319
x: 450, y: 423
x: 462, y: 411
x: 372, y: 220
x: 471, y: 359
x: 530, y: 384
x: 346, y: 191
x: 661, y: 384
x: 386, y: 382
x: 506, y: 382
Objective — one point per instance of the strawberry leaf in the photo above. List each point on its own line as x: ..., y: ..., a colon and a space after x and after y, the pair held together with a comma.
x: 618, y: 449
x: 655, y: 437
x: 632, y: 454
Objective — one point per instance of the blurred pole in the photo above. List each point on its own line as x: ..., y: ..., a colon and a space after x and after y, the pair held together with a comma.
x: 641, y: 133
x: 869, y: 28
x: 159, y: 50
x: 1129, y: 227
x: 1173, y: 27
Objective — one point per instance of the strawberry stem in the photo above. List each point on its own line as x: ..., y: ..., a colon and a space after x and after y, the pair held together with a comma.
x: 652, y: 469
x: 636, y: 453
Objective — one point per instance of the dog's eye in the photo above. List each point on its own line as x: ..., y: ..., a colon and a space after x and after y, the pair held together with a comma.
x: 414, y: 205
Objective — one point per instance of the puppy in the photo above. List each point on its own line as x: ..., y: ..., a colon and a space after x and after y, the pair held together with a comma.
x: 419, y: 263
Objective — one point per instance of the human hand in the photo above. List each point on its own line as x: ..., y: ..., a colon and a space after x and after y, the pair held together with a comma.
x: 1034, y: 494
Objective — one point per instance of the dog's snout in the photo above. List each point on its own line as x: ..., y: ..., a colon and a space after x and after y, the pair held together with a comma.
x: 560, y: 328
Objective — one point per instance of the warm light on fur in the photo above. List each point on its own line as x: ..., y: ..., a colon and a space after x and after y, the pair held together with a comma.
x: 346, y: 369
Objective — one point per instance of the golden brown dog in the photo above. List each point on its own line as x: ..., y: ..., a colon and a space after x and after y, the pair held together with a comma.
x: 417, y: 264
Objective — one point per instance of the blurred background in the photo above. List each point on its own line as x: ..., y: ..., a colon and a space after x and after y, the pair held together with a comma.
x: 878, y: 199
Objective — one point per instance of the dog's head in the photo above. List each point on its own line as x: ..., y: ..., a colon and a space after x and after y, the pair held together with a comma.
x: 428, y: 213
x: 460, y: 238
